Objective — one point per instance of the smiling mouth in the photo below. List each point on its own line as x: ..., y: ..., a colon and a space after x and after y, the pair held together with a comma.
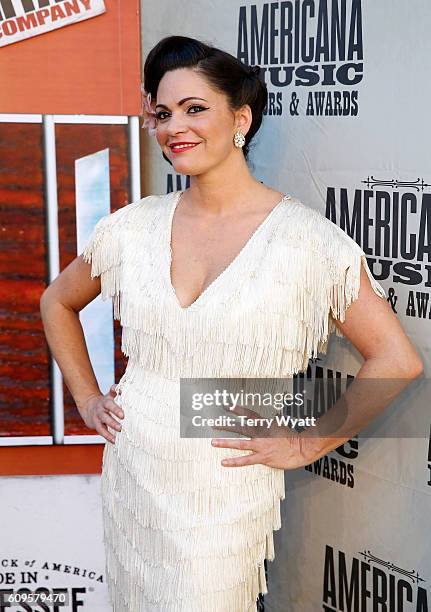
x: 178, y: 148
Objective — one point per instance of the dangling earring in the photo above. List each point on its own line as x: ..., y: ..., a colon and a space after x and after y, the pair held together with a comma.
x: 239, y: 139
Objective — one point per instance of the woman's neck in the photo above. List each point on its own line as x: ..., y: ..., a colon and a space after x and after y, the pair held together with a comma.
x: 224, y: 189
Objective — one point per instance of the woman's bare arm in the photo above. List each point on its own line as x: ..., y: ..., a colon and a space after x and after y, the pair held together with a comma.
x: 391, y: 363
x: 60, y: 304
x: 375, y: 331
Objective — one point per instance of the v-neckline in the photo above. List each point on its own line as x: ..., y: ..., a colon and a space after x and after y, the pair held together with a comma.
x: 233, y: 262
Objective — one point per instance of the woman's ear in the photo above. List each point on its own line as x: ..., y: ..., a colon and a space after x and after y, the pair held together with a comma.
x: 243, y: 119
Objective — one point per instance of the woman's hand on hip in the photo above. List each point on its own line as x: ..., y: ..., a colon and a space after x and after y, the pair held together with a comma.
x: 282, y: 447
x: 286, y: 453
x: 99, y: 412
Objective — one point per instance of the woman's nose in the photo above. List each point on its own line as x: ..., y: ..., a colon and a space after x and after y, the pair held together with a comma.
x: 176, y: 124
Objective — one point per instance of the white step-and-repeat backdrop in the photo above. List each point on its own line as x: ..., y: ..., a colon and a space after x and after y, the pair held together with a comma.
x: 347, y: 131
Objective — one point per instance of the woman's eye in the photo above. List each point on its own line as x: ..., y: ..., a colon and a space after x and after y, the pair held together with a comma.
x: 160, y: 114
x: 197, y: 106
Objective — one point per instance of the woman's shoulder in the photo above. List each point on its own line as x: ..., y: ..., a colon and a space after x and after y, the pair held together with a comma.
x: 136, y: 211
x: 126, y: 225
x: 330, y: 253
x: 153, y: 201
x: 316, y: 230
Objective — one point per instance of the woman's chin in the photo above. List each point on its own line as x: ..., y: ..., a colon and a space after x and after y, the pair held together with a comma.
x: 184, y: 168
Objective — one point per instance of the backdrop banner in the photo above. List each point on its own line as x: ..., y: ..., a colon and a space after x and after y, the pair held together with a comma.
x: 345, y: 131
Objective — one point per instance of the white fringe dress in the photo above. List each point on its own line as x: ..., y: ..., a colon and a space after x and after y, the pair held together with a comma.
x: 183, y: 533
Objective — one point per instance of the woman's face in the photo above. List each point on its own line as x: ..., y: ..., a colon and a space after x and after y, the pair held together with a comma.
x: 191, y: 113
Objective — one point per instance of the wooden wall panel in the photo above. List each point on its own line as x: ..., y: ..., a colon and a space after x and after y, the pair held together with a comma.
x: 25, y: 391
x: 24, y: 367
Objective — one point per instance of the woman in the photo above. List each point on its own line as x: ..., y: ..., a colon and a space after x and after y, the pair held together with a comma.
x: 229, y: 278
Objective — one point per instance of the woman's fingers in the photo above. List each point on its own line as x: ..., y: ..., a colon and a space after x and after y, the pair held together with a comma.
x: 102, y: 424
x: 103, y: 431
x: 104, y: 418
x: 113, y: 407
x: 108, y: 408
x: 238, y: 444
x: 98, y: 414
x: 247, y: 445
x: 252, y: 459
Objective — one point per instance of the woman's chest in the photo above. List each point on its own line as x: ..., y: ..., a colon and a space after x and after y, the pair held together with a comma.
x: 263, y: 314
x: 268, y: 284
x: 204, y: 250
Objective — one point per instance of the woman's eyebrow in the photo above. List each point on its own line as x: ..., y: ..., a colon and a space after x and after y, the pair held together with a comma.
x: 183, y: 100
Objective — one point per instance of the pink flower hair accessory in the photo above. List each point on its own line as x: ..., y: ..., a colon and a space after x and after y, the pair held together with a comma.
x: 150, y: 117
